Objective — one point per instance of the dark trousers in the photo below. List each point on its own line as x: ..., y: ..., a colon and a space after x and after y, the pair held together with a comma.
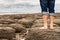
x: 47, y: 6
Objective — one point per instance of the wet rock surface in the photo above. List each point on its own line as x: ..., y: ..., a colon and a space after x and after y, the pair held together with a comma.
x: 31, y: 22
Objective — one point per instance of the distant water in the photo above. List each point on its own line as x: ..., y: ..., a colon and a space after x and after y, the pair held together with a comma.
x: 19, y: 8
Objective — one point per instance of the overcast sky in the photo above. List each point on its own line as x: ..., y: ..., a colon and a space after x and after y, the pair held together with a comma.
x: 22, y: 1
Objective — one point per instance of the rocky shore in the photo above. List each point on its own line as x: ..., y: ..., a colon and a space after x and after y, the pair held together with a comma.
x: 31, y: 22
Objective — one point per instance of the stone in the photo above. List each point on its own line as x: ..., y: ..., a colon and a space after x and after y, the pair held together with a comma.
x: 26, y: 22
x: 57, y: 21
x: 7, y: 30
x: 37, y: 34
x: 7, y: 33
x: 19, y: 28
x: 6, y: 21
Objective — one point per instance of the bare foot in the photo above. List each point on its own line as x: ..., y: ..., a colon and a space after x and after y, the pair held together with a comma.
x: 43, y: 28
x: 51, y: 28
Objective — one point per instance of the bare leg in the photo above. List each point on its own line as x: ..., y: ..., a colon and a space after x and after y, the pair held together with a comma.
x: 51, y: 22
x: 45, y: 19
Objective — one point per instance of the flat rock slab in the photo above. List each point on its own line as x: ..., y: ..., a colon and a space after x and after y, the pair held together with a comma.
x: 6, y: 30
x: 38, y: 34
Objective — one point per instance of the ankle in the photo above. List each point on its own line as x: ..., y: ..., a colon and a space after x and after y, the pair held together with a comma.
x: 45, y: 26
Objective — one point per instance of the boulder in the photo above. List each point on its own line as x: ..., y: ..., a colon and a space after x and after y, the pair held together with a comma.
x: 26, y: 22
x: 7, y: 33
x: 19, y: 28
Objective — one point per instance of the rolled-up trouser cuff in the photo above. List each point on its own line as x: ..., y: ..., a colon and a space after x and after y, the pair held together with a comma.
x: 51, y: 14
x: 45, y: 13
